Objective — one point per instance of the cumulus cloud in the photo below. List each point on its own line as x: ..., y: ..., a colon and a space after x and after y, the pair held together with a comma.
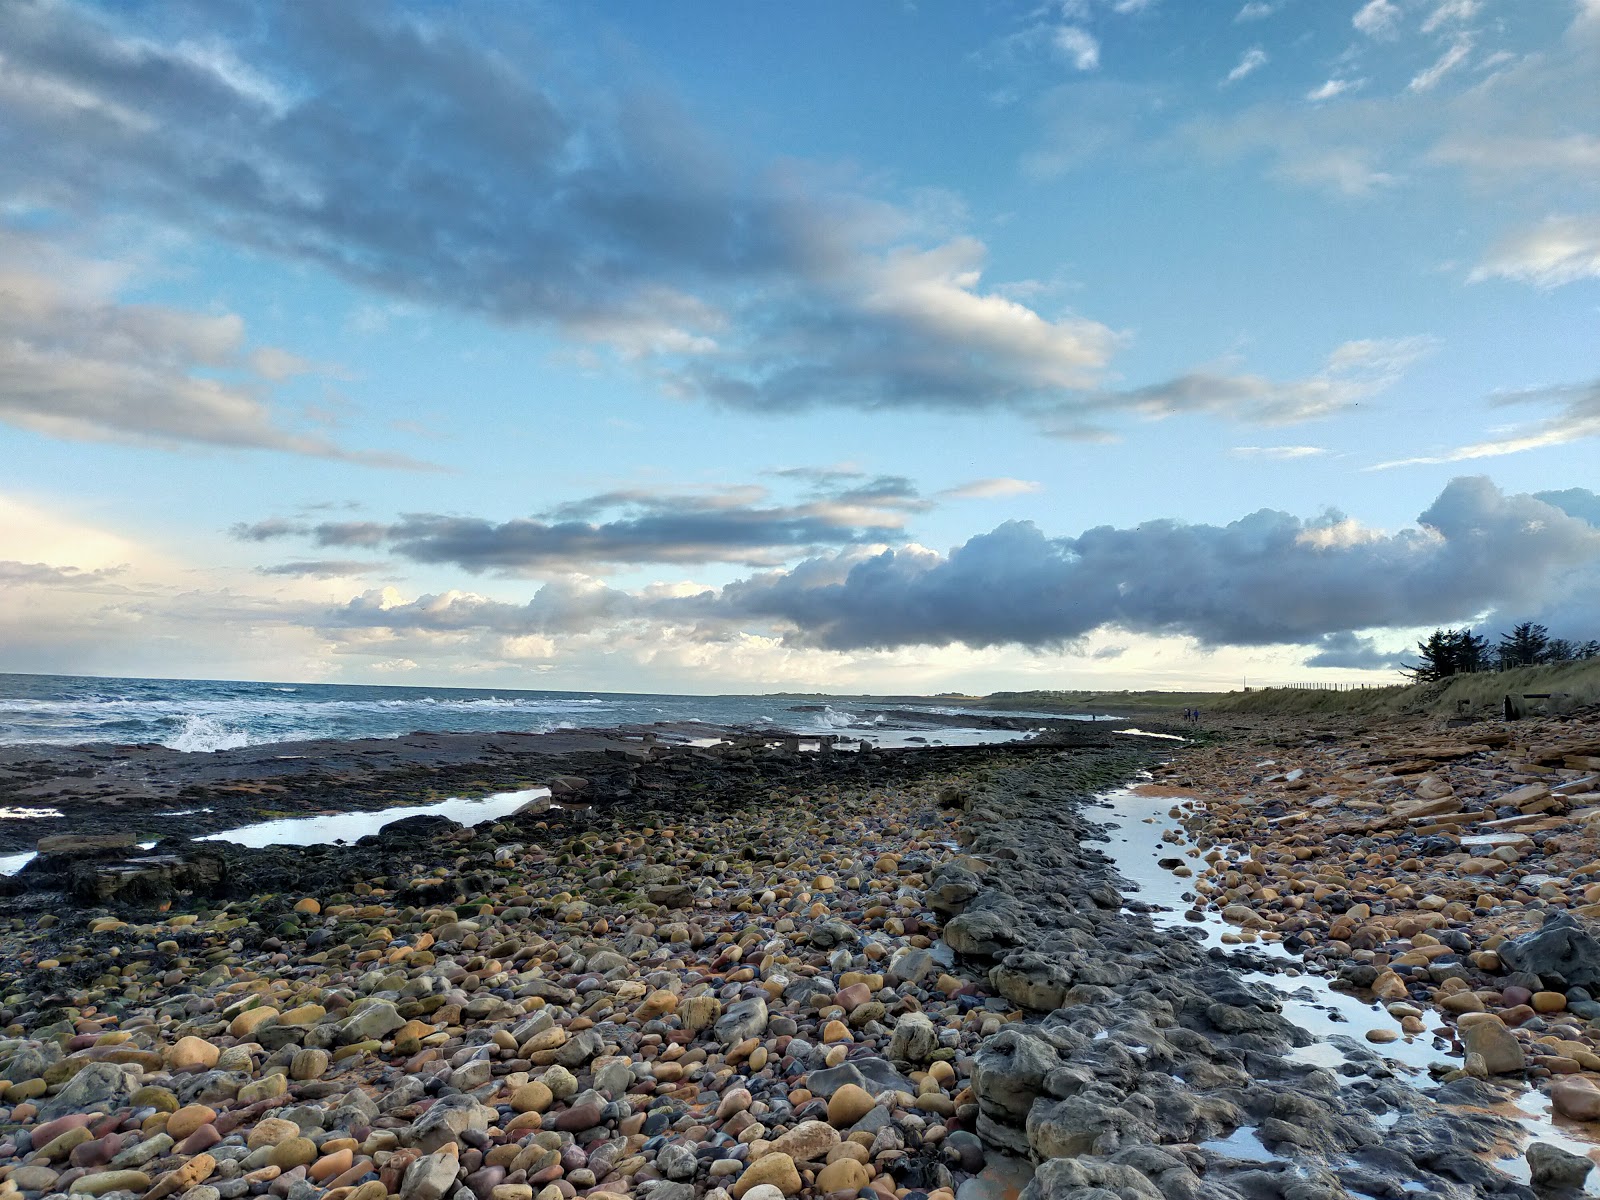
x: 77, y: 364
x: 1577, y: 417
x: 1560, y: 250
x: 491, y: 184
x: 1267, y: 578
x: 1575, y: 502
x: 630, y: 527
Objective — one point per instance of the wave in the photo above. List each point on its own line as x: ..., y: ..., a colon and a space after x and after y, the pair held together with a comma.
x: 203, y: 735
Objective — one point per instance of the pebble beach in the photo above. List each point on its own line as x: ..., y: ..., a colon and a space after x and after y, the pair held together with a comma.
x: 917, y: 975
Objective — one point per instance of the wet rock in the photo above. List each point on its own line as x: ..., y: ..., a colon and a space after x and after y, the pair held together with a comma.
x: 1562, y: 948
x: 1555, y: 1169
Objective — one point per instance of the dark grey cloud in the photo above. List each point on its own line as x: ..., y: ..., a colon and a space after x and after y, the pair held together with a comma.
x: 1267, y: 578
x: 321, y: 568
x: 1351, y: 652
x: 734, y: 525
x: 441, y: 157
x: 43, y: 574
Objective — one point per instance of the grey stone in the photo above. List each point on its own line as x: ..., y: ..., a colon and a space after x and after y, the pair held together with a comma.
x: 914, y: 1040
x: 1562, y: 947
x: 1556, y: 1169
x: 431, y: 1177
x: 746, y: 1019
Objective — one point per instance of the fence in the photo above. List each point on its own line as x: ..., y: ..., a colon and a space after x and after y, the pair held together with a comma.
x: 1321, y: 687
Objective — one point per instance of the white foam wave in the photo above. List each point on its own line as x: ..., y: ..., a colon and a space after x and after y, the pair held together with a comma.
x: 203, y: 735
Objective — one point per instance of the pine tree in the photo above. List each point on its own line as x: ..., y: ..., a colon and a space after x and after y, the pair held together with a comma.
x: 1524, y: 646
x: 1447, y: 652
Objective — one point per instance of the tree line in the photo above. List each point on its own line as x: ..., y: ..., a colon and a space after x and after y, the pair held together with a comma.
x: 1447, y: 652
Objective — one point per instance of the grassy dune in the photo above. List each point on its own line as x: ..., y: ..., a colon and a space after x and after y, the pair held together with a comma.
x: 1484, y: 691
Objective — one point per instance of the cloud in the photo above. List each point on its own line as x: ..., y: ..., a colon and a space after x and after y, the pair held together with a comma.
x: 37, y: 574
x: 1252, y: 60
x: 1448, y: 11
x: 1578, y: 418
x: 1281, y: 452
x: 1560, y: 250
x: 321, y: 568
x: 993, y: 489
x: 1078, y: 46
x: 1334, y: 87
x: 1349, y: 651
x: 1268, y: 578
x: 1353, y: 372
x: 78, y: 365
x: 630, y: 527
x: 1377, y: 19
x: 494, y: 185
x: 1514, y: 128
x: 1254, y: 10
x: 1452, y: 58
x: 1520, y: 154
x: 1575, y: 502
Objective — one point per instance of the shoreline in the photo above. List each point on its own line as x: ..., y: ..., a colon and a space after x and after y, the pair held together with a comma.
x: 138, y: 788
x: 668, y: 997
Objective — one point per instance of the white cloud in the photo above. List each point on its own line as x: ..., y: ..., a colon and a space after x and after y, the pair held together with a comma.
x: 1334, y: 87
x: 1378, y: 19
x: 1458, y: 11
x: 1078, y: 46
x: 993, y: 489
x: 1348, y: 171
x: 1491, y: 154
x: 1577, y: 419
x: 1452, y: 58
x: 1252, y: 60
x: 1255, y: 10
x: 1560, y: 250
x: 77, y: 364
x: 1280, y: 452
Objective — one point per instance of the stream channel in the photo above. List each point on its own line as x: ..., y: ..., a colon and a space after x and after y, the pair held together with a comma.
x: 1138, y: 824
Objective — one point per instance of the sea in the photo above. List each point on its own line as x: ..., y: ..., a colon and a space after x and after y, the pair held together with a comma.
x: 205, y: 715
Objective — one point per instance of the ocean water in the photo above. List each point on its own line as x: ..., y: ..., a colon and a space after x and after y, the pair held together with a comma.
x: 207, y: 715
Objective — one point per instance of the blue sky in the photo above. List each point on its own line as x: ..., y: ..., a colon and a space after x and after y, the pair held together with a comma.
x: 893, y: 346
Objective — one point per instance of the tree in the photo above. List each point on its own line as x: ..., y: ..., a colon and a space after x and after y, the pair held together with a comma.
x: 1589, y: 649
x: 1447, y: 652
x: 1559, y: 651
x: 1524, y: 646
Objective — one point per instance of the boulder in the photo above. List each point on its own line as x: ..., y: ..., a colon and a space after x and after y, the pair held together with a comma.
x: 1555, y: 1169
x: 1009, y: 1072
x: 914, y: 1040
x: 1563, y: 947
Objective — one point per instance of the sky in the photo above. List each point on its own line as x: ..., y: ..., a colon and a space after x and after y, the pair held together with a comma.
x: 888, y: 347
